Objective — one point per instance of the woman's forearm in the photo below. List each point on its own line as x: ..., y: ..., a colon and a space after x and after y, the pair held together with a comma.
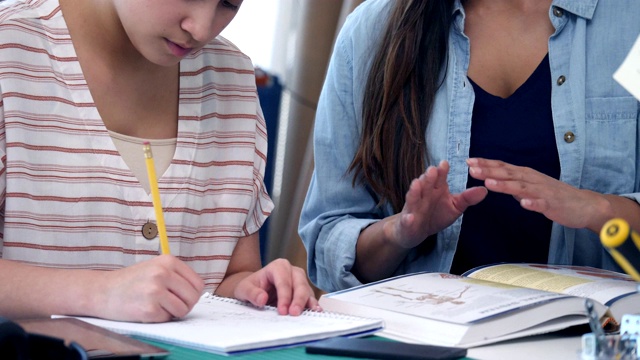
x: 377, y: 255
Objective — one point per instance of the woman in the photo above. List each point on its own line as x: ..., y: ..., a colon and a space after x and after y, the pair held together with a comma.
x: 83, y: 85
x: 505, y: 111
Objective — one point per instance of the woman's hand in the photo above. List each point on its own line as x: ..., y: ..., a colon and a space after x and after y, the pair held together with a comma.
x: 157, y: 290
x: 430, y: 207
x: 279, y: 284
x: 558, y: 201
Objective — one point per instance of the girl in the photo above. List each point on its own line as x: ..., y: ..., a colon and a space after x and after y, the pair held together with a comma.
x: 83, y: 85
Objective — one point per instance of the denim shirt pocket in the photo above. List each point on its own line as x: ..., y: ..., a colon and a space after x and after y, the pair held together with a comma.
x: 611, y: 131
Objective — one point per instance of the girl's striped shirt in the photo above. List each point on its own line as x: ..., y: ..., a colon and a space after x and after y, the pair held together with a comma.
x: 69, y: 200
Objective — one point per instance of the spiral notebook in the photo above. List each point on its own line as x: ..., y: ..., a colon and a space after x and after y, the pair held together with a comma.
x: 228, y: 326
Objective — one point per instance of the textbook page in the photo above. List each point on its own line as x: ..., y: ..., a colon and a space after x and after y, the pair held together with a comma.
x: 451, y: 310
x: 615, y: 290
x: 445, y: 297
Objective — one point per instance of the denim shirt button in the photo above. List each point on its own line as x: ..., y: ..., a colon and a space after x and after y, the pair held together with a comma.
x: 569, y: 137
x: 557, y: 12
x: 561, y: 80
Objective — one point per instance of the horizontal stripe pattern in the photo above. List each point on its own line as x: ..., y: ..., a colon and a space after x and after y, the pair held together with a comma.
x: 70, y: 201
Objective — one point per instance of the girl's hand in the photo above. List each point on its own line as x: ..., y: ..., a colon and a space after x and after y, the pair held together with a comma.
x: 157, y: 290
x: 279, y: 284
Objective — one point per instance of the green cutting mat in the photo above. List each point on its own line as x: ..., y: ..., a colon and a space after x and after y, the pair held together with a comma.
x: 180, y: 353
x: 295, y: 353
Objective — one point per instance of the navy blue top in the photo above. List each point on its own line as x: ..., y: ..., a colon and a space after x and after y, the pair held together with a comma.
x: 517, y: 130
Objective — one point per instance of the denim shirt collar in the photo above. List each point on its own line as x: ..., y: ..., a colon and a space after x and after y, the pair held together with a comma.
x: 458, y: 16
x: 581, y: 8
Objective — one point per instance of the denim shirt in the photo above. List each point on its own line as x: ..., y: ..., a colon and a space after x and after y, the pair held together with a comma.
x: 595, y: 123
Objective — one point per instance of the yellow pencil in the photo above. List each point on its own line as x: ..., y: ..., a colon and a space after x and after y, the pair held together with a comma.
x: 155, y: 195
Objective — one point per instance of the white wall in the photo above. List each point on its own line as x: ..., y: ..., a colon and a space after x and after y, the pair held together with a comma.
x: 253, y: 30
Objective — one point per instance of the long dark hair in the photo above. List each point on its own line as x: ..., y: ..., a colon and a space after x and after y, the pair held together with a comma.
x: 398, y: 98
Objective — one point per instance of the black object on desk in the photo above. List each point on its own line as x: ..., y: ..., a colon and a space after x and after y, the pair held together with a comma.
x: 378, y: 349
x: 17, y: 344
x: 93, y: 341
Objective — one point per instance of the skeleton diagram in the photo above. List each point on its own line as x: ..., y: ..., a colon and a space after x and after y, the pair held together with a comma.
x: 422, y: 297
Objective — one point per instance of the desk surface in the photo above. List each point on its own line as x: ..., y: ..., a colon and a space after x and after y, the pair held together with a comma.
x: 549, y: 347
x: 532, y: 348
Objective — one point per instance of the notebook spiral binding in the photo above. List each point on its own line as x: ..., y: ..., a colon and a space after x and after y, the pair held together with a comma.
x: 306, y: 312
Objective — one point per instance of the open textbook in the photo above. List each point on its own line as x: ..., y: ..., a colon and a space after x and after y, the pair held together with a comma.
x: 487, y: 304
x: 228, y: 326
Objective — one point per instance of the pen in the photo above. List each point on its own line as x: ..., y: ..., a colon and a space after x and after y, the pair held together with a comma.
x: 155, y: 195
x: 623, y: 243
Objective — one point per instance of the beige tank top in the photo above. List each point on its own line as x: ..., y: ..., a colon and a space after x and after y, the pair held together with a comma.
x: 130, y: 148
